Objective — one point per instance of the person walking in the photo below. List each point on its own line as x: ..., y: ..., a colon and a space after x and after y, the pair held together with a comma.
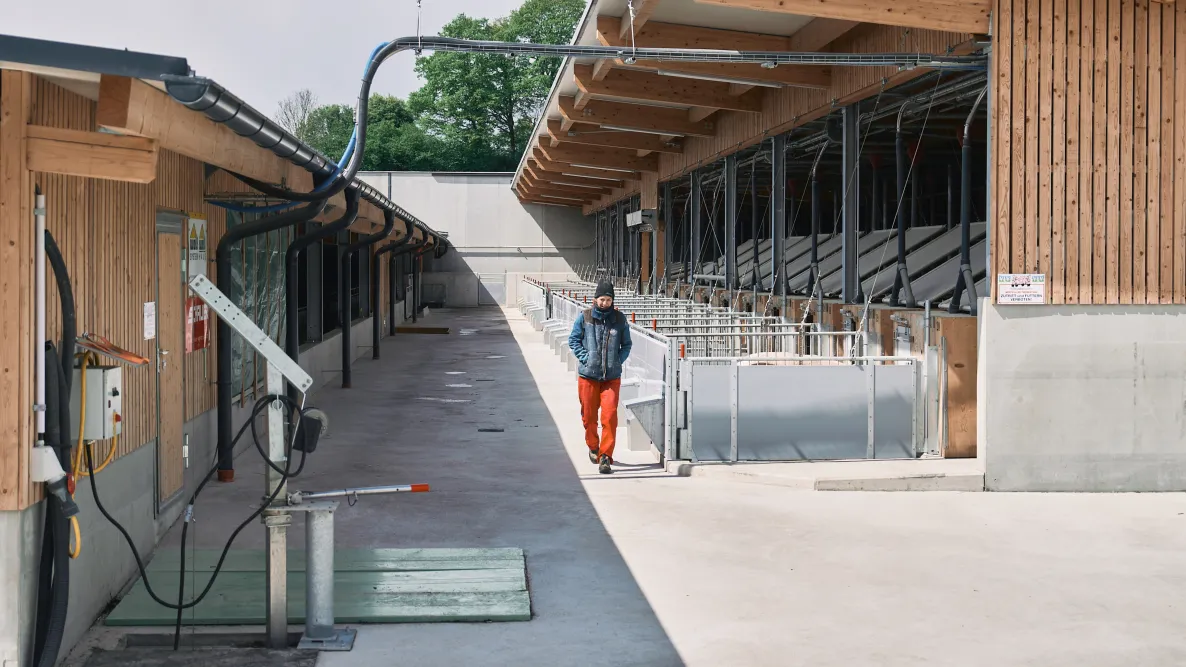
x: 600, y: 339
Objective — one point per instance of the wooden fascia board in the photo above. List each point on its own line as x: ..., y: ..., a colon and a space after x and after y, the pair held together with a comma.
x: 967, y: 16
x: 91, y: 154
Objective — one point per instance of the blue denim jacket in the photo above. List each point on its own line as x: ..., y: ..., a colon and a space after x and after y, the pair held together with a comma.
x: 601, y: 342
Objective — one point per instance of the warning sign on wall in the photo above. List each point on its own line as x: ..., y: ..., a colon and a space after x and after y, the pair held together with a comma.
x: 197, y: 325
x: 196, y: 251
x: 1021, y: 288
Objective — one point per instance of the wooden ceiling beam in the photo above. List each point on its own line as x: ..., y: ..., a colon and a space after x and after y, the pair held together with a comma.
x: 593, y: 135
x: 634, y: 85
x: 562, y: 194
x: 588, y: 172
x: 602, y: 68
x: 636, y: 117
x: 601, y: 157
x: 130, y: 106
x: 677, y: 36
x: 539, y: 173
x: 579, y: 190
x: 660, y: 35
x: 642, y: 14
x: 969, y: 16
x: 91, y: 154
x: 819, y: 33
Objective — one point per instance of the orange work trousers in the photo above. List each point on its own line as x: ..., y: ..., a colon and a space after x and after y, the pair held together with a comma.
x: 596, y: 395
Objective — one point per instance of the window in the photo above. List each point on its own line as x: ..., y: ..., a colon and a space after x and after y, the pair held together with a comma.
x: 258, y: 288
x: 329, y: 285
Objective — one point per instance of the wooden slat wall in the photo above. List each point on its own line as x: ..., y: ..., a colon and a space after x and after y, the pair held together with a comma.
x: 107, y: 233
x: 1089, y: 154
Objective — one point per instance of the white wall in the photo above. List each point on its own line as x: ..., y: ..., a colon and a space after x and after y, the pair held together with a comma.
x: 491, y: 231
x: 1083, y: 398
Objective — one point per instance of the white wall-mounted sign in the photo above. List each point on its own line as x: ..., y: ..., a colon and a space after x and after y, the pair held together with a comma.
x: 196, y: 247
x: 1021, y: 288
x: 150, y: 320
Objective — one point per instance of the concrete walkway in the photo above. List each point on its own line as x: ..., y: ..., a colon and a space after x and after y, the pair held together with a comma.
x: 648, y: 568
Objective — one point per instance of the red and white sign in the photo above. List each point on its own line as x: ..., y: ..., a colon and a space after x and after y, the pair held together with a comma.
x: 197, y: 324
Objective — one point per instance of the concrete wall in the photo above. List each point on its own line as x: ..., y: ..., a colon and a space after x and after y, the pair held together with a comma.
x: 1083, y: 398
x: 492, y: 233
x: 106, y: 566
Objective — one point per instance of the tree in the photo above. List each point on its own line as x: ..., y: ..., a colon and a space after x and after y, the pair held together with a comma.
x: 486, y: 104
x: 293, y: 112
x: 475, y: 112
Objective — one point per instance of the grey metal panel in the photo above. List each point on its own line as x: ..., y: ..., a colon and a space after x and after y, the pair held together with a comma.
x: 789, y: 413
x: 922, y: 260
x: 709, y: 412
x: 894, y: 412
x: 797, y: 270
x: 832, y: 266
x: 939, y: 283
x: 883, y: 255
x: 492, y: 289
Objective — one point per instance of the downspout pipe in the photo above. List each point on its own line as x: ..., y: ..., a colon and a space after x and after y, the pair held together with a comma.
x: 412, y: 247
x: 292, y: 337
x: 417, y: 265
x: 226, y: 457
x: 344, y: 283
x: 376, y: 325
x: 965, y: 282
x: 902, y: 277
x: 816, y: 213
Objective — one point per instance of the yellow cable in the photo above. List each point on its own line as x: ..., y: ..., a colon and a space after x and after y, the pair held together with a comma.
x: 75, y: 548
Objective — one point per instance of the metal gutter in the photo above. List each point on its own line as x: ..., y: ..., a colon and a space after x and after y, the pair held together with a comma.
x: 221, y: 106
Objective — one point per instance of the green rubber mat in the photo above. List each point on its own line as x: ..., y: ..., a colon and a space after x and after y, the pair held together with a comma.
x: 370, y: 586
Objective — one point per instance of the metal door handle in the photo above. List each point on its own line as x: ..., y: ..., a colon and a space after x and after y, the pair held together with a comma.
x: 161, y: 361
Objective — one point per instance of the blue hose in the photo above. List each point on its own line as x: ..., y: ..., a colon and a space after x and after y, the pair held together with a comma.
x: 274, y: 208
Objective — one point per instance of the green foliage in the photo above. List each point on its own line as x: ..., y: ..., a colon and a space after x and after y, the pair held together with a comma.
x: 475, y: 112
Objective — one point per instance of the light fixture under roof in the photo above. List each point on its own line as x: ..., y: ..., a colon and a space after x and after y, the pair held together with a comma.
x: 721, y: 79
x: 621, y: 128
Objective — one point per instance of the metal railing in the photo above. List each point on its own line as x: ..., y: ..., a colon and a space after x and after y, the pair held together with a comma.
x: 791, y: 391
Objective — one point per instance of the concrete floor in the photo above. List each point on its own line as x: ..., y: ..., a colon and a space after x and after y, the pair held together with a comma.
x: 647, y: 568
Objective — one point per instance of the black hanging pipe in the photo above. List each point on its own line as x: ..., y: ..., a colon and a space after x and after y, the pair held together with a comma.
x: 816, y: 212
x: 54, y: 577
x: 233, y: 235
x: 292, y: 337
x: 376, y: 325
x: 965, y: 282
x: 902, y: 277
x: 344, y: 281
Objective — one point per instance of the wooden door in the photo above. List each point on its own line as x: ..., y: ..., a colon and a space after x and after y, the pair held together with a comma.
x: 170, y: 350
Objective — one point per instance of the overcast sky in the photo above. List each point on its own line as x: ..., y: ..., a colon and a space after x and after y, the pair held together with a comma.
x: 261, y: 50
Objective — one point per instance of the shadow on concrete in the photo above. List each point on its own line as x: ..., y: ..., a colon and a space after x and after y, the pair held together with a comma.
x: 515, y: 488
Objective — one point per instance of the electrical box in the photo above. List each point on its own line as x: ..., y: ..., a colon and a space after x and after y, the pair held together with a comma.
x: 645, y: 217
x: 104, y: 402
